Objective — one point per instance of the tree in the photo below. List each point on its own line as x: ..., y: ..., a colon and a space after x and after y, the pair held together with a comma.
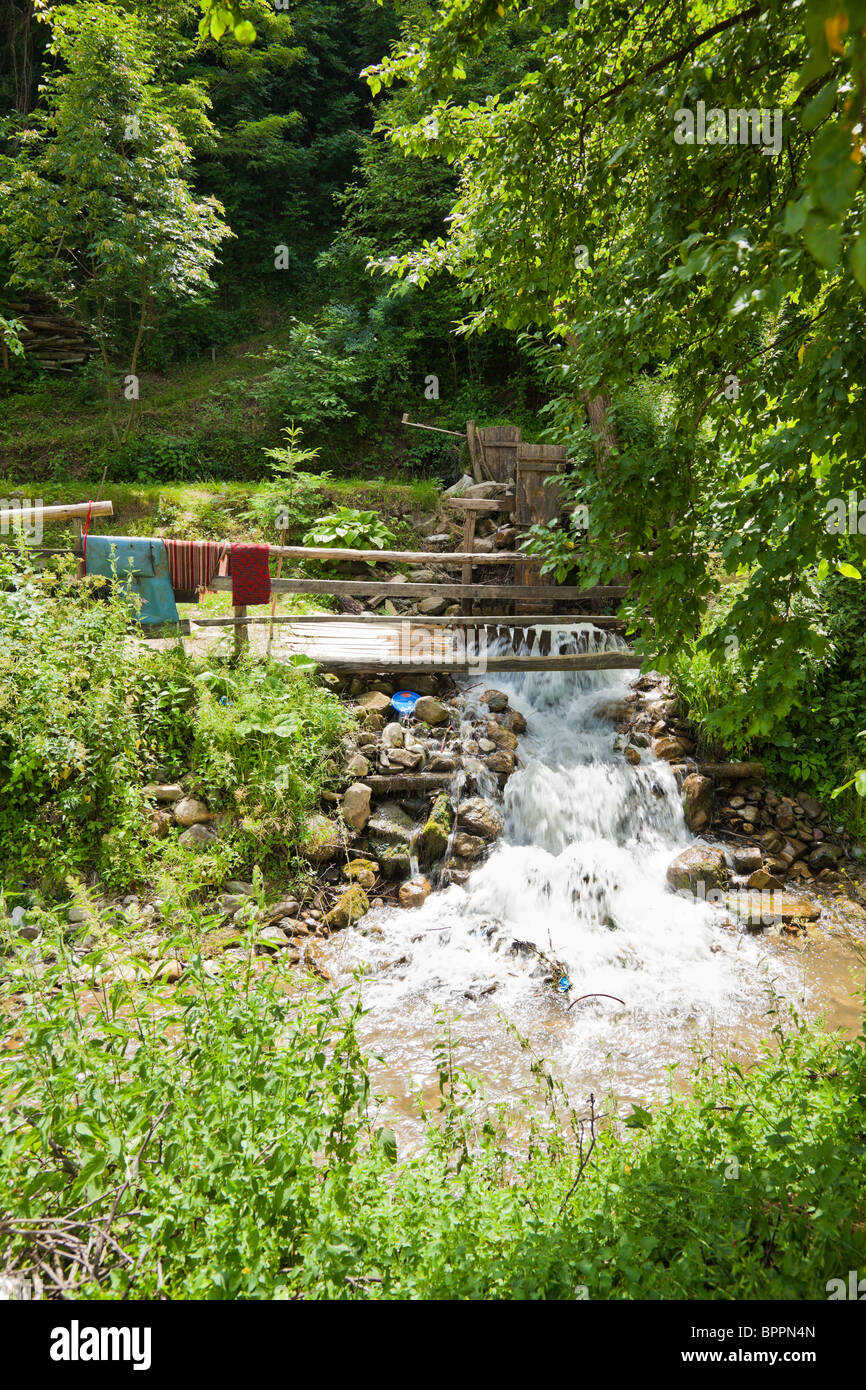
x: 674, y: 192
x: 98, y: 209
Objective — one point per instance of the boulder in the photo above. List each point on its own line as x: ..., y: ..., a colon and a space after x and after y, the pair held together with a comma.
x: 434, y: 836
x: 699, y: 864
x: 431, y: 711
x: 323, y: 841
x: 495, y: 700
x: 356, y: 805
x: 825, y: 856
x: 414, y: 892
x: 747, y: 859
x: 672, y: 747
x: 288, y: 907
x: 272, y: 939
x: 514, y: 721
x: 350, y: 907
x: 698, y: 803
x: 191, y: 812
x: 392, y: 735
x: 394, y: 859
x: 503, y: 738
x: 443, y: 762
x: 480, y: 817
x: 198, y: 837
x: 164, y: 791
x: 501, y: 762
x: 764, y: 881
x: 433, y: 606
x: 358, y: 766
x: 468, y: 846
x: 374, y: 701
x: 391, y: 824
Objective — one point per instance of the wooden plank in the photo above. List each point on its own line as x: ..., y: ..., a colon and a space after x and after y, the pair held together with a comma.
x: 381, y: 784
x: 371, y: 588
x: 387, y: 557
x: 499, y: 451
x: 481, y: 504
x: 422, y: 620
x: 59, y: 513
x: 573, y: 661
x: 469, y: 521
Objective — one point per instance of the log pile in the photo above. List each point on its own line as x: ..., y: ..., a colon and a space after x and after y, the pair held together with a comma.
x: 56, y: 342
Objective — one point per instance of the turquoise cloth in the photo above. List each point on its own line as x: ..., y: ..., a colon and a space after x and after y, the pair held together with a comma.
x: 145, y: 562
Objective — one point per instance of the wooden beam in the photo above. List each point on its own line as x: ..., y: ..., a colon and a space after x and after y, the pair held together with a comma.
x: 381, y: 784
x: 372, y: 588
x: 387, y: 557
x: 481, y: 504
x: 575, y: 661
x: 58, y: 513
x: 537, y: 620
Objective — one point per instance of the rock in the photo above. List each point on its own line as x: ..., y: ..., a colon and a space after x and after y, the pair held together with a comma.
x: 414, y: 892
x: 431, y: 711
x: 350, y: 907
x: 503, y: 738
x: 812, y: 808
x: 75, y: 914
x: 699, y: 864
x: 191, y: 812
x: 785, y: 816
x: 480, y: 817
x: 672, y: 747
x: 747, y: 859
x: 356, y: 805
x: 495, y: 700
x: 458, y: 489
x: 287, y: 907
x: 198, y: 837
x: 443, y: 762
x: 514, y: 721
x: 359, y: 866
x: 394, y: 859
x: 324, y: 841
x: 375, y: 702
x: 764, y: 881
x: 391, y: 824
x: 373, y: 720
x: 825, y: 856
x: 501, y: 762
x: 771, y: 841
x: 168, y: 972
x: 272, y: 939
x: 632, y: 756
x: 29, y: 932
x: 392, y: 735
x: 697, y: 794
x: 468, y: 846
x: 437, y: 829
x: 762, y: 909
x: 159, y: 824
x: 358, y: 766
x: 433, y: 606
x: 164, y: 791
x: 405, y: 757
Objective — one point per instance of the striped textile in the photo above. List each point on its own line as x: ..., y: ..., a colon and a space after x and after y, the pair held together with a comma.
x: 193, y: 564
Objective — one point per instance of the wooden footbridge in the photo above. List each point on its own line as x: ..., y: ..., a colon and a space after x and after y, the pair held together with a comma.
x: 518, y: 602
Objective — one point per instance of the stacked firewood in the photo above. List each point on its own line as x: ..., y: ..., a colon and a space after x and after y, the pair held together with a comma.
x: 56, y: 342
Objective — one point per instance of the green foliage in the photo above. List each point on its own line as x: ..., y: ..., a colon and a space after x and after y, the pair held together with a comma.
x: 226, y: 1132
x: 291, y: 496
x: 351, y: 529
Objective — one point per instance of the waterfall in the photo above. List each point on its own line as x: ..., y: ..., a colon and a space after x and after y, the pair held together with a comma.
x: 576, y: 883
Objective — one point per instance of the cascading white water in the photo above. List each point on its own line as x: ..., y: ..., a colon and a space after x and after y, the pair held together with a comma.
x: 579, y: 875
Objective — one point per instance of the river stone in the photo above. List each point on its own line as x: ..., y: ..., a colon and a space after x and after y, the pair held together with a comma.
x: 434, y: 836
x: 191, y: 812
x: 501, y: 762
x: 164, y: 791
x: 349, y: 907
x: 433, y: 606
x: 698, y: 864
x: 272, y: 939
x: 394, y: 860
x: 356, y: 805
x: 358, y: 765
x: 392, y: 735
x: 414, y: 892
x: 355, y: 867
x: 405, y: 757
x: 391, y: 824
x: 198, y: 837
x: 762, y: 880
x: 503, y: 738
x: 764, y: 908
x: 480, y: 817
x: 431, y: 711
x: 632, y: 755
x: 323, y: 839
x: 514, y: 721
x: 495, y: 700
x: 468, y: 846
x: 375, y: 702
x: 747, y: 860
x: 672, y: 747
x: 443, y: 762
x: 697, y: 794
x: 812, y: 808
x: 288, y: 907
x: 486, y: 745
x: 825, y: 856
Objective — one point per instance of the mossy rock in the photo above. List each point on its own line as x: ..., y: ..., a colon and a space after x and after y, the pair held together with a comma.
x: 350, y: 907
x: 213, y: 943
x: 434, y: 836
